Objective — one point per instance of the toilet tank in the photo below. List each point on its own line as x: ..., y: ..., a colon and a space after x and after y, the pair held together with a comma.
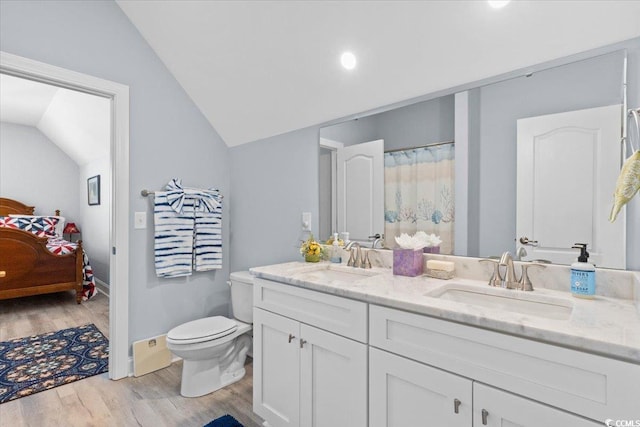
x: 241, y: 283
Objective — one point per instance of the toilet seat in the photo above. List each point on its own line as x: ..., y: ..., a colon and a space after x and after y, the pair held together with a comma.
x: 201, y: 330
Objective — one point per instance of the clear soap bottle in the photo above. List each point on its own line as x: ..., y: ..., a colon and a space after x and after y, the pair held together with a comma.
x: 335, y: 250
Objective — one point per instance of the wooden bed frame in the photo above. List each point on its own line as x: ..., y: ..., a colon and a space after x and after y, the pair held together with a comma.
x: 26, y: 265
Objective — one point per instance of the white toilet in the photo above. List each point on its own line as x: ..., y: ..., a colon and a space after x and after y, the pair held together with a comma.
x: 214, y: 349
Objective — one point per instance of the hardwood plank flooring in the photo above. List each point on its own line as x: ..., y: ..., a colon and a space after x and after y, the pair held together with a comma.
x: 151, y: 400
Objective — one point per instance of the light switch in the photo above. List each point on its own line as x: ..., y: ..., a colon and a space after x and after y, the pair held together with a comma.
x: 140, y: 220
x: 306, y: 221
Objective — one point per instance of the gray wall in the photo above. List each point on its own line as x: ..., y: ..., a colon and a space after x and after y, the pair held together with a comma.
x: 273, y: 181
x: 410, y: 126
x: 95, y: 219
x: 33, y: 170
x: 586, y: 84
x: 169, y: 138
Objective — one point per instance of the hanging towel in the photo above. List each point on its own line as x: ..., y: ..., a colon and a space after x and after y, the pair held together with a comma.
x: 173, y: 241
x: 188, y: 230
x: 208, y: 233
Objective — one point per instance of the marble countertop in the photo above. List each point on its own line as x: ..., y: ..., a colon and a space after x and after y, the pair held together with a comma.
x: 605, y: 325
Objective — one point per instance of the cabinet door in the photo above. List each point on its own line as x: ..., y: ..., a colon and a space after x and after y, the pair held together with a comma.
x: 403, y: 393
x: 333, y: 380
x: 276, y: 369
x: 493, y: 407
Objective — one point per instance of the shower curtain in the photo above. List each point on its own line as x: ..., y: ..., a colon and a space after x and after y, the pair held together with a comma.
x: 419, y: 193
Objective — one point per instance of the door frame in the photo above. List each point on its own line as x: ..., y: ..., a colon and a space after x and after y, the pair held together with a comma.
x: 119, y: 219
x: 333, y: 146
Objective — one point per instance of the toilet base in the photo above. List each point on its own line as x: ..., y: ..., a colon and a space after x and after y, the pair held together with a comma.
x: 201, y: 377
x: 207, y: 381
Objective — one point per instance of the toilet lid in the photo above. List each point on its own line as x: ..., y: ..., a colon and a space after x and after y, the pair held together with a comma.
x: 205, y: 329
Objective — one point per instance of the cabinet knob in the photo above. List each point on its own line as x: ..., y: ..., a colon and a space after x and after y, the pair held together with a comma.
x: 3, y: 273
x: 456, y: 406
x: 485, y: 415
x: 291, y: 337
x: 302, y: 342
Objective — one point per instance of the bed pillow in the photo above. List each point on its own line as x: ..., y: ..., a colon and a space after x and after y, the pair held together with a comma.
x: 41, y: 226
x: 9, y: 222
x: 59, y: 227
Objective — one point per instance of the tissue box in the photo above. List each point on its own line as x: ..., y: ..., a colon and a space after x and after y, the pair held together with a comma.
x: 407, y: 262
x: 432, y: 250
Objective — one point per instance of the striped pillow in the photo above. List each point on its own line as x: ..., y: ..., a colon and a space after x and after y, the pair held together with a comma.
x: 41, y: 226
x: 8, y: 222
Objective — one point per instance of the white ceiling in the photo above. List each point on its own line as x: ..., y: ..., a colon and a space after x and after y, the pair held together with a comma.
x: 261, y: 68
x: 78, y: 123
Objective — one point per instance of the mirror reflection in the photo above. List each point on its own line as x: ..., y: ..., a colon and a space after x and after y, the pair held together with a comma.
x: 498, y: 148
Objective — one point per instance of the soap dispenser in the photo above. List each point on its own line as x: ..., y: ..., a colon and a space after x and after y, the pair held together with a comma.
x: 583, y: 274
x: 335, y: 250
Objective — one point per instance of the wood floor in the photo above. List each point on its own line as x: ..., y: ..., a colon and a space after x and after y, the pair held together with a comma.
x: 150, y: 400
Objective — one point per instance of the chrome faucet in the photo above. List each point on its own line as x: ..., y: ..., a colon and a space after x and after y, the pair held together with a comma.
x: 377, y: 238
x: 509, y: 280
x: 496, y: 278
x: 521, y: 253
x: 354, y: 261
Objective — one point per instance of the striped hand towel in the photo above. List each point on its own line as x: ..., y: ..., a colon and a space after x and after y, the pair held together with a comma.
x: 173, y: 238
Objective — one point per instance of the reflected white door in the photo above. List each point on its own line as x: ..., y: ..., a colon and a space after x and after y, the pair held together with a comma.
x: 360, y: 188
x: 567, y: 167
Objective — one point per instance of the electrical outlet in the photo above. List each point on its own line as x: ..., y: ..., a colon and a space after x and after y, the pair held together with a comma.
x: 306, y: 221
x: 140, y: 220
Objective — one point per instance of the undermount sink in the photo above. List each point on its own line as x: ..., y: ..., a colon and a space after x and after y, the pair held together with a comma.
x: 335, y: 273
x: 528, y: 303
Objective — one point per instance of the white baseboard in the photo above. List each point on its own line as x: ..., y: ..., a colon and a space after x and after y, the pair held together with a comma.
x: 102, y: 287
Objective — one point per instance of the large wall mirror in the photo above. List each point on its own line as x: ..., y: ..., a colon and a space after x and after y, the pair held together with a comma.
x: 562, y: 179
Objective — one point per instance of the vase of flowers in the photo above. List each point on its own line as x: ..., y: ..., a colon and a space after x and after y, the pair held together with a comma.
x: 311, y: 250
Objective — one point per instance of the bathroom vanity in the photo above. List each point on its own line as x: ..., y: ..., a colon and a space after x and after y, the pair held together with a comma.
x: 334, y: 345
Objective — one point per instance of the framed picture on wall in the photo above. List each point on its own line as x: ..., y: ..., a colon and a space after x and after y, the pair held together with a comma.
x: 93, y: 190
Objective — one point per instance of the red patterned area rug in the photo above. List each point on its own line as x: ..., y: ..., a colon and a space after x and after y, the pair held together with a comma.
x: 41, y: 362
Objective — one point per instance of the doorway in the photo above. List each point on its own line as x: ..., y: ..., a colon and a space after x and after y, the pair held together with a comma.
x: 119, y: 170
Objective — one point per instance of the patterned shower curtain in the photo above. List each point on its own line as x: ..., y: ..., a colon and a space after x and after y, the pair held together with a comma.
x: 418, y: 194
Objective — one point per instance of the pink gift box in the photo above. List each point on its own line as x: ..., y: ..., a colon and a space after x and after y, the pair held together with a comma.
x: 407, y: 262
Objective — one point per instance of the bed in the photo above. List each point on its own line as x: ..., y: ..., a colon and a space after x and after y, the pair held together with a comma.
x: 35, y: 260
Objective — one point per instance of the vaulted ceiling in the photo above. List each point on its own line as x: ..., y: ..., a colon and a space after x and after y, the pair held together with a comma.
x: 78, y: 123
x: 261, y: 68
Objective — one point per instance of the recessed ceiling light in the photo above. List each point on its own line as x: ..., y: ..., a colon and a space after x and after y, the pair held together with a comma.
x: 498, y: 4
x: 348, y: 60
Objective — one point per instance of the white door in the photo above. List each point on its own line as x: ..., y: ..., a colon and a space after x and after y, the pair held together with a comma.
x: 276, y: 375
x: 496, y: 408
x: 567, y: 167
x: 407, y: 393
x: 333, y: 380
x: 360, y: 188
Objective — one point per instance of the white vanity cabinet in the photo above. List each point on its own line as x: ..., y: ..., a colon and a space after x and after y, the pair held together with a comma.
x: 497, y: 408
x: 403, y: 392
x: 545, y: 384
x: 310, y: 357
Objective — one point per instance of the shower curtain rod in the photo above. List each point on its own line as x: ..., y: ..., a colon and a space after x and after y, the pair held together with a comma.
x: 419, y: 146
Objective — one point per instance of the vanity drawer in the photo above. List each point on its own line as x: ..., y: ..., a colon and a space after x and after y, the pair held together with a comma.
x: 593, y: 386
x: 339, y: 315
